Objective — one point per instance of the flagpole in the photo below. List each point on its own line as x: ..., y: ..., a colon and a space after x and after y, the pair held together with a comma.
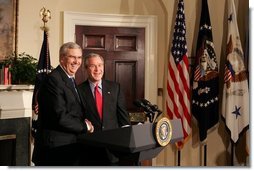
x: 40, y: 76
x: 178, y: 157
x: 205, y: 154
x: 232, y: 152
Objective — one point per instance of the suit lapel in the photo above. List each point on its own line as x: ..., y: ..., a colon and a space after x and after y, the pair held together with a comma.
x: 74, y: 91
x: 68, y: 82
x: 106, y: 93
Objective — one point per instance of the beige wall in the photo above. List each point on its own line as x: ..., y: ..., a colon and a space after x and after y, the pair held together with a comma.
x: 30, y: 40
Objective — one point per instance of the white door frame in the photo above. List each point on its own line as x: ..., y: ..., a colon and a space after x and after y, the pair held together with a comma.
x: 112, y: 20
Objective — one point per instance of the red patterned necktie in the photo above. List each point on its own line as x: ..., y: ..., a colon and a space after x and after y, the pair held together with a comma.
x: 98, y: 100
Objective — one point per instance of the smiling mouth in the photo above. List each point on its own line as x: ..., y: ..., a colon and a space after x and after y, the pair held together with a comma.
x: 74, y: 66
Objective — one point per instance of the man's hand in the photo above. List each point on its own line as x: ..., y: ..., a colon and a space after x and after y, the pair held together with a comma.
x: 89, y: 125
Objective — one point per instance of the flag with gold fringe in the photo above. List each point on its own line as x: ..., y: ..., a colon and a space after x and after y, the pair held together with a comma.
x: 235, y: 103
x: 43, y: 68
x: 205, y: 78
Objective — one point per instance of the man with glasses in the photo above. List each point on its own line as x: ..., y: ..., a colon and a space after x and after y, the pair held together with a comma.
x: 61, y: 113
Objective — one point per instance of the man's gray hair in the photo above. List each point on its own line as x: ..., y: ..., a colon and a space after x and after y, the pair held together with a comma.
x: 66, y: 46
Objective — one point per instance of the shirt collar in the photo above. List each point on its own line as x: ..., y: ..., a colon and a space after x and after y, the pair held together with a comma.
x: 67, y: 73
x: 92, y: 85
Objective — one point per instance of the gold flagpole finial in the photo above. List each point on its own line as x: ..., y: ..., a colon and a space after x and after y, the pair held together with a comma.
x: 45, y: 15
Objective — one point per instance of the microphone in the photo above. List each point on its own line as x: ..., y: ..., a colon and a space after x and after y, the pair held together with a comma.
x: 153, y: 107
x: 139, y: 103
x: 146, y: 102
x: 150, y: 113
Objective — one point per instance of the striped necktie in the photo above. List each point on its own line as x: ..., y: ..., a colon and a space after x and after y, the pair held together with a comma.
x: 74, y: 85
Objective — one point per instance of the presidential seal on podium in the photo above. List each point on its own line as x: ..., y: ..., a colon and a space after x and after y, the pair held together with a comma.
x: 163, y: 131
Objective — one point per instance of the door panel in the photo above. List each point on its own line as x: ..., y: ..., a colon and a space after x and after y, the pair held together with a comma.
x: 123, y: 52
x: 126, y: 74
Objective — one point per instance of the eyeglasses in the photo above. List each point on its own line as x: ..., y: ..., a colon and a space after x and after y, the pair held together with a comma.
x: 75, y: 57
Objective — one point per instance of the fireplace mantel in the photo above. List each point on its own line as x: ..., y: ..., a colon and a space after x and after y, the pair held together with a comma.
x: 16, y: 101
x: 16, y: 87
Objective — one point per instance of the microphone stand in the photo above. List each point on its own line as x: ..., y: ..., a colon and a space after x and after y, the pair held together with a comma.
x: 150, y: 116
x: 156, y: 116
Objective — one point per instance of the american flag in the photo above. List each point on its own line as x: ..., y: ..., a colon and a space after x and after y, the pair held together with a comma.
x: 178, y: 86
x: 43, y: 68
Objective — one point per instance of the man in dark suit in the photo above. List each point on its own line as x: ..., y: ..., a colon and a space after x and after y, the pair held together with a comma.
x: 61, y: 113
x: 110, y: 115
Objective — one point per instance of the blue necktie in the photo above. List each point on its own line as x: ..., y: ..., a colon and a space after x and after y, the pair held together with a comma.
x: 74, y: 85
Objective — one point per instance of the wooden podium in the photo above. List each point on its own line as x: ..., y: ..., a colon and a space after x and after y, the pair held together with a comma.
x: 134, y: 143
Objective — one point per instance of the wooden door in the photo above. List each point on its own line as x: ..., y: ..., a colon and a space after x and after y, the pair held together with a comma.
x: 123, y: 52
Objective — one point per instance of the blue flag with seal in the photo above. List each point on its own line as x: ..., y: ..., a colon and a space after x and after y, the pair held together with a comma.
x: 43, y: 68
x: 205, y: 88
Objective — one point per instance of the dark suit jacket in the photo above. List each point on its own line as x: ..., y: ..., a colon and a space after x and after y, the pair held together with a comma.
x: 114, y: 110
x: 114, y: 116
x: 61, y: 113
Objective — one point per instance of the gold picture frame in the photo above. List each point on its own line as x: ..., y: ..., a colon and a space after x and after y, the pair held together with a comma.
x: 8, y: 27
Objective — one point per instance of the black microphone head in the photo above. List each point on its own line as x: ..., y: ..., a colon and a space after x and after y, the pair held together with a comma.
x: 146, y: 102
x: 148, y: 109
x: 154, y: 107
x: 138, y: 103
